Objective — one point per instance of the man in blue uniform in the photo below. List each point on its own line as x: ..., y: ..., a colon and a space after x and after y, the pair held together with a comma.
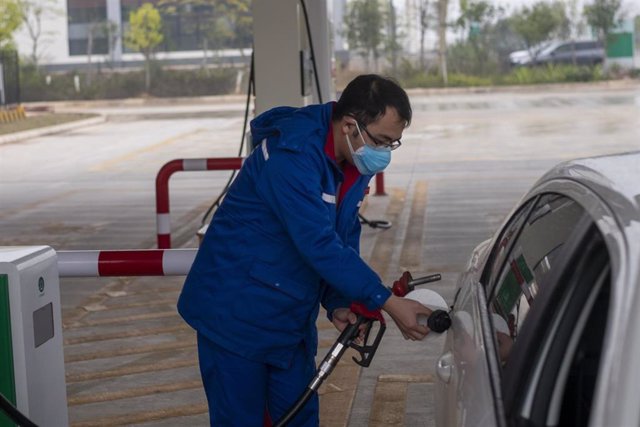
x: 285, y: 241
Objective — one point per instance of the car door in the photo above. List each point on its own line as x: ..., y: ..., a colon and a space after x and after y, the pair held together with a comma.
x: 465, y: 392
x: 556, y: 316
x: 549, y: 308
x: 500, y: 374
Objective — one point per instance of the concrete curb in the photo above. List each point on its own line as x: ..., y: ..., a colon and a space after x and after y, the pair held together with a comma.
x: 47, y: 130
x: 59, y: 106
x: 532, y: 88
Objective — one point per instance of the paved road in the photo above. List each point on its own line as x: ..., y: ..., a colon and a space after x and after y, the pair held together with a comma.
x: 465, y: 161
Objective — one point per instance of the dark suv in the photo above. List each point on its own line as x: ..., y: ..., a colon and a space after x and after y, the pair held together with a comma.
x: 588, y: 52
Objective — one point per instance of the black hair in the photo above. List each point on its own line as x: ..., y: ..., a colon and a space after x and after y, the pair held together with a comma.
x: 367, y: 97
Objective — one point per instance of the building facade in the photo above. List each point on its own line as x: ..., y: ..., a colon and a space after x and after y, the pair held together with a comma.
x: 85, y: 33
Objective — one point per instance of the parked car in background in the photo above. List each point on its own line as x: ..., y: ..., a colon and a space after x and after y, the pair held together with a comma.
x: 545, y: 319
x: 582, y: 52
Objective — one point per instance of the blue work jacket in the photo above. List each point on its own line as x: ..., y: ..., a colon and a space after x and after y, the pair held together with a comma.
x: 278, y: 246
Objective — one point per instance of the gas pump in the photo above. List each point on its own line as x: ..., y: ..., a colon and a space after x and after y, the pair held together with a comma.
x: 284, y: 54
x: 32, y: 375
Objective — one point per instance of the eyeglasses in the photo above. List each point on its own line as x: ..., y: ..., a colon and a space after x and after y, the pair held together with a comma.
x: 391, y: 145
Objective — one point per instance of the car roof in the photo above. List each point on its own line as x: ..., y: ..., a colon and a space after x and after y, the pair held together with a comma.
x: 557, y: 43
x: 614, y: 178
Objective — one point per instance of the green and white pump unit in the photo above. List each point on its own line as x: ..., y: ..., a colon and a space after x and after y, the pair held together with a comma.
x: 32, y: 373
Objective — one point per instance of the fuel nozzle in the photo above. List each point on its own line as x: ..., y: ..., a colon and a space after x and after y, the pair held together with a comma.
x: 406, y: 283
x: 439, y: 320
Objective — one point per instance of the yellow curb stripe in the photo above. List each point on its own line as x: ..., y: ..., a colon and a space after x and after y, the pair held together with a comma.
x: 389, y: 403
x: 338, y: 392
x: 133, y: 392
x: 104, y: 306
x: 411, y: 256
x: 124, y: 319
x: 383, y: 250
x: 129, y: 351
x: 127, y: 334
x: 141, y: 417
x: 131, y: 370
x: 422, y: 378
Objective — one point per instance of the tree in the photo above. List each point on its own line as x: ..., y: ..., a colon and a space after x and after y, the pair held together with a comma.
x: 238, y: 16
x: 602, y: 16
x: 575, y: 18
x: 33, y: 12
x: 10, y: 20
x: 392, y: 44
x: 443, y: 8
x: 475, y: 54
x: 365, y: 25
x: 425, y: 17
x: 217, y: 24
x: 144, y: 35
x: 474, y: 15
x: 538, y: 24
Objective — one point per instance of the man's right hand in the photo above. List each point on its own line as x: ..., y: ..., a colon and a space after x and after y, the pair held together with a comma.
x: 404, y: 313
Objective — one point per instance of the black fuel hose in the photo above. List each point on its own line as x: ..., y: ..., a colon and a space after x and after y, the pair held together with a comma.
x: 293, y: 411
x: 329, y: 362
x: 13, y: 413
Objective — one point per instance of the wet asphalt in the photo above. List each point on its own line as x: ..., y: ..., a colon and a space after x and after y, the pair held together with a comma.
x: 466, y: 159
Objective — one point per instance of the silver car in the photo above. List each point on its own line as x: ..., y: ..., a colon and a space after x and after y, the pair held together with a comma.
x: 578, y: 52
x: 546, y: 318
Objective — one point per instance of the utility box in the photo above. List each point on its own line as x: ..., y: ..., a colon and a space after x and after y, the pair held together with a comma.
x: 31, y: 354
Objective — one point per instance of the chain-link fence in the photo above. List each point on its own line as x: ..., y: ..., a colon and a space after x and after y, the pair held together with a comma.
x: 9, y: 78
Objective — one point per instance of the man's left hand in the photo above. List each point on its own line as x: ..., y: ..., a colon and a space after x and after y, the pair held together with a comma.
x: 342, y: 317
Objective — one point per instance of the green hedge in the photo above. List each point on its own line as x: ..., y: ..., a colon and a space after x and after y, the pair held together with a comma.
x: 553, y: 74
x: 411, y: 77
x: 118, y: 85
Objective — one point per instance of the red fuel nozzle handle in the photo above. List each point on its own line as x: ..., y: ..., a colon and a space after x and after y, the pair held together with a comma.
x: 366, y: 350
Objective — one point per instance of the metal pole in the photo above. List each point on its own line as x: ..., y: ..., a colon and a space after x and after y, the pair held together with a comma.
x: 163, y: 219
x: 380, y: 184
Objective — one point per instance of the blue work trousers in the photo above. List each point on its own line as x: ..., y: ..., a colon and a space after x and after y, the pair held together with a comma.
x: 240, y: 390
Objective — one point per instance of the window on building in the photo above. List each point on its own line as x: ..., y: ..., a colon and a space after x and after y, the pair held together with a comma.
x: 87, y: 20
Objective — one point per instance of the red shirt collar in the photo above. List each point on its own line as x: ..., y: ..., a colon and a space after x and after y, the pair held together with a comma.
x: 351, y: 173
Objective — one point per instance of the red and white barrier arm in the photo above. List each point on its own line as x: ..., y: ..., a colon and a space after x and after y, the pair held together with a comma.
x: 163, y: 219
x: 152, y: 262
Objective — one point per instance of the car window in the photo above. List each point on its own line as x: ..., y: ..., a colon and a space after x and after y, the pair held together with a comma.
x: 541, y: 309
x: 586, y: 45
x: 530, y: 261
x: 549, y: 48
x: 564, y: 48
x: 504, y: 242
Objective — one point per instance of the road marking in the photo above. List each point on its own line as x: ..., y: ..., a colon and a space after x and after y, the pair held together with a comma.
x: 182, y: 327
x: 391, y: 378
x: 70, y: 358
x: 383, y: 250
x: 133, y: 392
x: 390, y: 397
x: 37, y: 204
x: 100, y: 167
x: 124, y: 319
x: 389, y: 402
x: 411, y: 256
x: 338, y: 392
x: 141, y: 417
x: 133, y: 369
x: 110, y: 307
